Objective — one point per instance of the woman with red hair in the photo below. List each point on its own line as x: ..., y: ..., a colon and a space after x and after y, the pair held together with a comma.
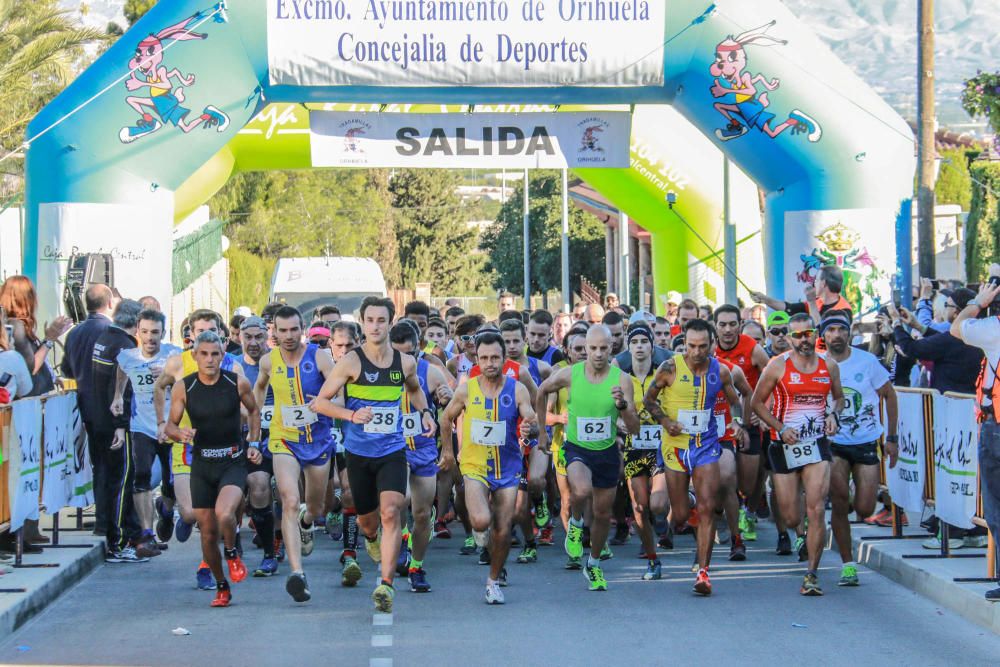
x: 17, y: 298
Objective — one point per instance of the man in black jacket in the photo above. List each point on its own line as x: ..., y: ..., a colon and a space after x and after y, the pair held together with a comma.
x: 77, y: 363
x: 113, y: 467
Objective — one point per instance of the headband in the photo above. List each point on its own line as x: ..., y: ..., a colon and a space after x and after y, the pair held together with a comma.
x: 319, y: 331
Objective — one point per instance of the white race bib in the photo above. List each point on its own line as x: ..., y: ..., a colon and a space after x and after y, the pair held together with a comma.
x: 802, y: 454
x: 693, y: 422
x: 487, y: 433
x: 593, y: 429
x: 650, y: 437
x: 266, y: 413
x: 383, y: 420
x: 720, y: 423
x: 297, y: 416
x: 337, y: 438
x: 143, y: 383
x: 412, y: 424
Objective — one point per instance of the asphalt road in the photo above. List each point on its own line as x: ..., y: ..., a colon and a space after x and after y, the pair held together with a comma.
x: 124, y: 615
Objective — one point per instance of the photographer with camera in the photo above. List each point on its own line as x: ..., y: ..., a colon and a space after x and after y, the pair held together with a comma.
x: 979, y: 324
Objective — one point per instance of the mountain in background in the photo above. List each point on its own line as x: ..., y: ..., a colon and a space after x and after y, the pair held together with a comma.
x: 876, y: 38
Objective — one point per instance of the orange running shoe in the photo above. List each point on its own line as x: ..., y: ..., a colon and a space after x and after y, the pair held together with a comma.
x: 702, y: 585
x: 223, y: 597
x: 879, y: 517
x: 237, y: 570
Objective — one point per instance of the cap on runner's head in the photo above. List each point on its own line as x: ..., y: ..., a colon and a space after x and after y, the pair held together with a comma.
x: 253, y: 321
x: 777, y: 318
x: 243, y: 311
x: 639, y: 330
x: 834, y: 320
x: 641, y: 317
x: 319, y: 331
x: 674, y: 297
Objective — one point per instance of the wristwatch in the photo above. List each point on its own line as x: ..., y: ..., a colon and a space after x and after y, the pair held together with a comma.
x: 49, y: 344
x: 254, y: 443
x: 892, y: 438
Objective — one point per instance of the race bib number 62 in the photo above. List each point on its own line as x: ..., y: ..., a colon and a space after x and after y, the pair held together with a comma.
x: 593, y: 429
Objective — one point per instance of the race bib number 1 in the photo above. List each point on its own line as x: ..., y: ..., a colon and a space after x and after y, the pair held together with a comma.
x: 693, y: 422
x: 488, y: 433
x: 297, y: 416
x: 802, y: 454
x: 412, y: 425
x: 593, y: 429
x: 650, y: 437
x: 383, y: 420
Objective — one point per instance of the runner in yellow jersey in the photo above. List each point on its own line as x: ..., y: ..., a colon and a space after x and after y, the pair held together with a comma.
x: 175, y: 370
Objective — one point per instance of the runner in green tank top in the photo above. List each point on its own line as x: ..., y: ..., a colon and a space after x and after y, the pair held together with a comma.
x: 598, y: 395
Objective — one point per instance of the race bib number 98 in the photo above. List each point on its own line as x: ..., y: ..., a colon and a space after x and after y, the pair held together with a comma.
x: 802, y: 454
x: 488, y: 433
x: 593, y: 429
x: 383, y: 420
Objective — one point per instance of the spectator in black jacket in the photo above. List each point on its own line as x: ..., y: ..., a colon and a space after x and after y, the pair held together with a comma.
x: 956, y: 365
x: 113, y: 467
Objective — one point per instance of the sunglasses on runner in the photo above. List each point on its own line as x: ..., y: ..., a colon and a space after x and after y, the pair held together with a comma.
x: 466, y: 339
x: 778, y: 331
x: 805, y: 333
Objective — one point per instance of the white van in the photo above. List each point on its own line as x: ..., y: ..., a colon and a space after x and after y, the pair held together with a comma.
x: 311, y: 282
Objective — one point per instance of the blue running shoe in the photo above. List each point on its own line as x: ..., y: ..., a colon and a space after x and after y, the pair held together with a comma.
x: 183, y: 530
x: 213, y: 117
x: 267, y: 567
x: 165, y: 524
x: 129, y: 134
x: 418, y: 581
x: 403, y: 562
x: 205, y: 580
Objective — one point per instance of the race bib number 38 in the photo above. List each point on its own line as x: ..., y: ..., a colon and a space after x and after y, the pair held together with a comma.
x: 802, y: 454
x: 488, y: 433
x: 383, y: 420
x: 593, y: 429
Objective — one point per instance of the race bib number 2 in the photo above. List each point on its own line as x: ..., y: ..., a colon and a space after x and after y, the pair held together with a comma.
x: 297, y: 416
x: 383, y: 420
x: 593, y: 429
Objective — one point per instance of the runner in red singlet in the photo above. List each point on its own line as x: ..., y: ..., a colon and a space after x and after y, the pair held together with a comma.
x: 730, y: 500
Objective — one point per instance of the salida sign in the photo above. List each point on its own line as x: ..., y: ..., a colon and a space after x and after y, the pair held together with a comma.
x: 531, y: 140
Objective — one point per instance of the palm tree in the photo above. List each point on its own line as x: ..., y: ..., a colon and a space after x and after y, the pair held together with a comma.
x: 41, y: 51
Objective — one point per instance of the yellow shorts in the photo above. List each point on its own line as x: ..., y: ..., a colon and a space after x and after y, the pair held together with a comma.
x: 558, y: 459
x: 670, y: 460
x: 180, y: 459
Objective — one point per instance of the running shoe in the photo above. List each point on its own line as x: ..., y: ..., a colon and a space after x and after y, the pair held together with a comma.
x: 750, y: 532
x: 667, y: 539
x: 493, y: 593
x: 702, y: 584
x: 784, y: 544
x: 528, y: 555
x: 573, y: 543
x: 403, y: 560
x: 305, y: 534
x: 213, y: 117
x: 886, y: 522
x: 848, y: 576
x: 545, y: 538
x: 350, y: 575
x: 237, y: 570
x: 542, y: 513
x: 484, y: 556
x: 621, y: 534
x: 165, y: 522
x: 502, y: 579
x: 742, y: 522
x: 147, y: 548
x: 654, y: 571
x: 382, y: 597
x: 469, y: 547
x: 993, y: 595
x: 267, y: 567
x: 801, y: 548
x: 810, y: 585
x: 335, y: 526
x: 738, y: 550
x: 239, y: 542
x: 124, y: 555
x: 441, y: 531
x: 279, y: 549
x: 182, y: 530
x: 298, y: 587
x: 975, y: 541
x: 418, y: 581
x: 204, y: 577
x: 878, y: 518
x: 607, y: 553
x: 374, y: 547
x: 573, y: 563
x: 722, y: 533
x: 595, y: 577
x: 223, y: 597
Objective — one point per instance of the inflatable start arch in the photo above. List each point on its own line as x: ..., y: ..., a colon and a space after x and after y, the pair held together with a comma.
x: 194, y: 90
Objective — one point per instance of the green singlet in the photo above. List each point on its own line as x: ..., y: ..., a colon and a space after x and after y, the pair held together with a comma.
x: 593, y: 417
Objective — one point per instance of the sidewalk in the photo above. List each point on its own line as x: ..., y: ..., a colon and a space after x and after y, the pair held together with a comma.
x: 61, y: 568
x: 932, y: 578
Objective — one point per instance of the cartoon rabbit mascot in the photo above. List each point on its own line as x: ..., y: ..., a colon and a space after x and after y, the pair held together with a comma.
x: 743, y: 107
x: 149, y: 71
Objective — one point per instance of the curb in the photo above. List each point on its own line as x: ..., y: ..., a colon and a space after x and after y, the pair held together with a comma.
x: 963, y: 599
x: 36, y: 599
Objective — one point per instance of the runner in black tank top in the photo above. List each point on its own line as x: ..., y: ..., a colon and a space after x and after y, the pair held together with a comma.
x: 212, y: 399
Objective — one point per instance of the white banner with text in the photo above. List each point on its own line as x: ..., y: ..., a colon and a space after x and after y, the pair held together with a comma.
x: 496, y: 43
x: 460, y: 141
x: 906, y: 480
x: 956, y: 460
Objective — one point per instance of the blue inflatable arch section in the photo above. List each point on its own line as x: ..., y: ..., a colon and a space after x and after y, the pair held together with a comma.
x: 835, y: 161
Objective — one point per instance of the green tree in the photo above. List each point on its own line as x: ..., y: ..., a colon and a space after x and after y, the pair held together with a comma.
x: 954, y: 185
x: 136, y: 9
x: 503, y: 241
x: 41, y: 47
x: 436, y: 243
x: 982, y: 229
x: 249, y: 279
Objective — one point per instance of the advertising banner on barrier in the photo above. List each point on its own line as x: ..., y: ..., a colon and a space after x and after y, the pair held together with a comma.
x: 461, y: 141
x: 956, y: 459
x: 906, y: 480
x: 57, y: 484
x: 496, y: 43
x: 25, y: 458
x: 83, y: 474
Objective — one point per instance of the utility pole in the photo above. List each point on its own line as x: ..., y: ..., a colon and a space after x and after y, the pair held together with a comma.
x: 527, y: 246
x: 564, y: 242
x: 729, y: 237
x: 925, y: 151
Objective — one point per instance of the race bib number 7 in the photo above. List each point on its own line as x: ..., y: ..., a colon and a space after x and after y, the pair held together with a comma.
x: 593, y: 429
x: 488, y: 433
x: 383, y: 420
